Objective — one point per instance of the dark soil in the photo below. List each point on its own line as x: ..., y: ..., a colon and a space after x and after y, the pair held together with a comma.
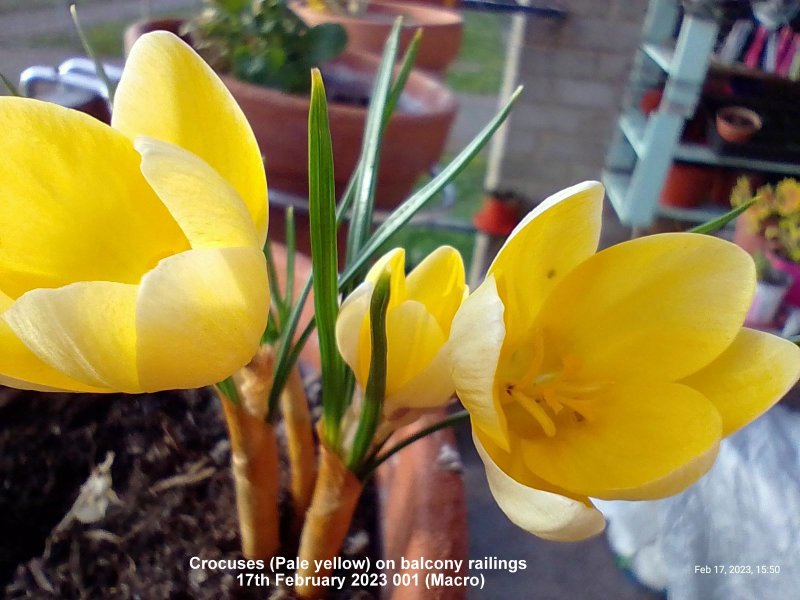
x: 49, y: 445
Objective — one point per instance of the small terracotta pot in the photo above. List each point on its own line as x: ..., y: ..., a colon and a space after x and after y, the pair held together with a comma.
x: 687, y: 186
x: 497, y: 217
x: 722, y: 186
x: 651, y: 99
x: 737, y: 124
x: 441, y: 38
x: 792, y: 269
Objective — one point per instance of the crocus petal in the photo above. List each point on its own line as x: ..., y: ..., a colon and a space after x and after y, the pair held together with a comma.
x: 557, y: 235
x: 675, y: 481
x: 85, y: 330
x: 476, y: 338
x: 55, y: 186
x: 169, y: 93
x: 430, y: 388
x: 438, y: 282
x: 413, y: 339
x: 632, y: 435
x: 395, y: 261
x: 655, y: 308
x: 22, y: 369
x: 545, y: 514
x: 754, y: 373
x: 349, y: 322
x: 205, y: 206
x: 199, y: 317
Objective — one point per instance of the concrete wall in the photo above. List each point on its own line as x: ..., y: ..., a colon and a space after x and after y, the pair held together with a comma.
x: 574, y: 72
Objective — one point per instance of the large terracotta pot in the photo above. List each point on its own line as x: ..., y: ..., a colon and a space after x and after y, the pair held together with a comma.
x: 441, y: 38
x: 413, y: 141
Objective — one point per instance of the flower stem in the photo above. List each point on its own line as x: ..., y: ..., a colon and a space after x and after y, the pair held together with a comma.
x: 328, y: 520
x: 254, y: 463
x: 87, y: 47
x: 376, y: 462
x: 299, y: 445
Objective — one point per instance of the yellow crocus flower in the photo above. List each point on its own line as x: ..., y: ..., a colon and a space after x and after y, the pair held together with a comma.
x: 421, y: 309
x: 130, y: 255
x: 611, y: 375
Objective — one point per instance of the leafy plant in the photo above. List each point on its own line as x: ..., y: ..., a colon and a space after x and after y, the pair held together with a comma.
x: 774, y: 214
x: 263, y: 42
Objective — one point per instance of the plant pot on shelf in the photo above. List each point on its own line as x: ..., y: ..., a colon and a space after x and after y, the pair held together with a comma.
x: 737, y: 124
x: 722, y: 186
x: 413, y: 141
x: 792, y: 269
x: 687, y: 186
x: 442, y: 29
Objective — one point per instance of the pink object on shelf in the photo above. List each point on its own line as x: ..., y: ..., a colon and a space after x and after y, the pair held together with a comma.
x: 793, y: 270
x: 785, y: 61
x: 753, y: 55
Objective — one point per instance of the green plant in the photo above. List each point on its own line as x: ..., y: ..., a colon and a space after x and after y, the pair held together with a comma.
x: 774, y: 214
x: 263, y: 42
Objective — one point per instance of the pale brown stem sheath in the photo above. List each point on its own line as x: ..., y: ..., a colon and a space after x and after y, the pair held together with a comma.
x: 254, y: 462
x: 328, y: 520
x: 299, y: 446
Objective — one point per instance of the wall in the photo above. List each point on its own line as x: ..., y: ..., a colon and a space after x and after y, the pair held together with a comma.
x: 574, y: 72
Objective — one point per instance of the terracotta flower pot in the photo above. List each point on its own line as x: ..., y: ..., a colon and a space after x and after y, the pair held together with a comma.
x: 497, y: 216
x: 442, y: 29
x: 792, y: 269
x: 686, y: 185
x: 423, y: 513
x: 722, y: 186
x: 737, y: 124
x: 413, y: 141
x: 651, y: 100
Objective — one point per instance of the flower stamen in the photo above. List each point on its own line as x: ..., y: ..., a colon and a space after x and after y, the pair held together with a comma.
x: 533, y: 406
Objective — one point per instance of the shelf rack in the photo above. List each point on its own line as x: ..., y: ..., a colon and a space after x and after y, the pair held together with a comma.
x: 644, y: 147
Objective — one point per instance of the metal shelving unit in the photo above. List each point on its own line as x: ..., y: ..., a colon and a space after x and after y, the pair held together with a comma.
x: 644, y: 147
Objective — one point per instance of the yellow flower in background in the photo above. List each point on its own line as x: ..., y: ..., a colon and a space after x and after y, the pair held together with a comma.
x: 421, y: 309
x: 611, y: 375
x: 130, y: 256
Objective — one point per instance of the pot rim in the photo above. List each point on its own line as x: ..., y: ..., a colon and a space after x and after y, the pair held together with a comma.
x: 445, y: 105
x: 421, y: 15
x: 754, y: 121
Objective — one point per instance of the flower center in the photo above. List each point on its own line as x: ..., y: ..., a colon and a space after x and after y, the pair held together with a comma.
x: 554, y: 396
